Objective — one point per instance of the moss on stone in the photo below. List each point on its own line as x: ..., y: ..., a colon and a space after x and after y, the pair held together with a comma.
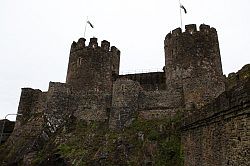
x: 143, y: 142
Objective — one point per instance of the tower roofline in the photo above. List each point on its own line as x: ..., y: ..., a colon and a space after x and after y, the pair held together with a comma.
x: 93, y: 43
x: 191, y: 29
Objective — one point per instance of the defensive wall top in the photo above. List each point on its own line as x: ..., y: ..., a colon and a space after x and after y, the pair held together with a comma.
x: 93, y: 44
x: 191, y: 29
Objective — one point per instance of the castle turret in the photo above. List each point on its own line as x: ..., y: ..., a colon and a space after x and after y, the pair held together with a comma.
x: 92, y: 67
x: 193, y: 64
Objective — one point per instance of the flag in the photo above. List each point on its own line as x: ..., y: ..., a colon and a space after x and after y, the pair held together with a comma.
x: 181, y: 6
x: 92, y: 26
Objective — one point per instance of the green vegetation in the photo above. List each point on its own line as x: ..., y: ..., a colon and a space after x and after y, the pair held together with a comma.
x: 145, y: 141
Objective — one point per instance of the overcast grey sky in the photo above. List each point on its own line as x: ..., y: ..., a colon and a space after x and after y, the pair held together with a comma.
x: 35, y: 36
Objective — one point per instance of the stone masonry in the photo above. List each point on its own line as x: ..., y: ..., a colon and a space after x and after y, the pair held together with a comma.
x: 193, y: 64
x: 218, y: 134
x: 190, y: 83
x: 7, y: 127
x: 94, y: 90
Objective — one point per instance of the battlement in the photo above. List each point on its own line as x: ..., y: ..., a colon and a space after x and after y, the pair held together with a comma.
x: 30, y: 91
x: 235, y: 78
x: 191, y: 29
x: 93, y: 44
x: 190, y: 57
x: 92, y: 67
x: 184, y: 102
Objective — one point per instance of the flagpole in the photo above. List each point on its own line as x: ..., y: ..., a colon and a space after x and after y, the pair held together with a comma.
x: 180, y: 12
x: 85, y: 27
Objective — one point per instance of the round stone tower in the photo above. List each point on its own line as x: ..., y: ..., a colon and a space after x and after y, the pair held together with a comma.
x: 193, y: 64
x: 92, y: 67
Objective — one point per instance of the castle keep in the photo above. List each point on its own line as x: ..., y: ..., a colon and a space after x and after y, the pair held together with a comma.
x: 191, y: 84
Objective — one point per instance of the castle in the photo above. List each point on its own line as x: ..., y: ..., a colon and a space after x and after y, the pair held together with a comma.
x: 94, y: 91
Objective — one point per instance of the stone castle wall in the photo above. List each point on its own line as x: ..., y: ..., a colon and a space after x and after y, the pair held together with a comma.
x: 192, y: 78
x: 59, y: 105
x: 193, y: 64
x: 94, y: 90
x: 92, y: 67
x: 160, y: 104
x: 6, y: 127
x: 32, y: 102
x: 92, y: 106
x: 235, y: 78
x: 149, y: 81
x: 218, y: 134
x: 125, y: 103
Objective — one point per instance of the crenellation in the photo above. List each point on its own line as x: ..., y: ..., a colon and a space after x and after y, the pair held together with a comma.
x: 204, y: 28
x: 177, y: 32
x: 93, y: 42
x: 187, y: 64
x: 105, y: 45
x: 81, y: 43
x: 115, y: 50
x: 214, y: 31
x: 167, y: 37
x: 191, y: 88
x: 93, y: 68
x: 191, y: 28
x: 73, y: 46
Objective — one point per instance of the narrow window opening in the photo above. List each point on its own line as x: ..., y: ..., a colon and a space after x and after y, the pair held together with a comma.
x: 79, y: 62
